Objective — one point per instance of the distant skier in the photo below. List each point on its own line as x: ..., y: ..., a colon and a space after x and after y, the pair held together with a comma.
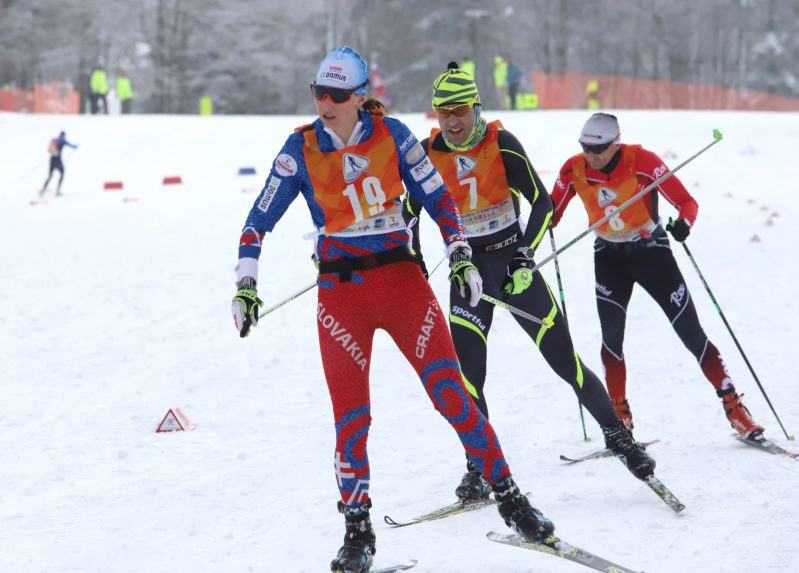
x: 488, y: 171
x: 55, y: 149
x: 632, y: 247
x: 351, y: 167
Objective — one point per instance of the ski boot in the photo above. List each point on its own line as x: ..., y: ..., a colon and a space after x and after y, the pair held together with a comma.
x: 738, y: 414
x: 356, y: 555
x: 620, y: 440
x: 473, y: 487
x: 515, y: 509
x: 622, y: 409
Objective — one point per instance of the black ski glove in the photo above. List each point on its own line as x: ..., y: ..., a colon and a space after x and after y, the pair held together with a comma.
x: 519, y: 275
x: 679, y: 229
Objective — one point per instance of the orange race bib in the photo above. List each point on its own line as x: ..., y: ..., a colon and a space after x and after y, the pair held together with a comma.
x: 477, y: 181
x: 601, y: 199
x: 356, y: 183
x: 475, y: 178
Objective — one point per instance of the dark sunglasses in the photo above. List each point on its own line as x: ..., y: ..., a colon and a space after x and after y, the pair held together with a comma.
x: 338, y: 95
x: 595, y: 149
x: 457, y: 111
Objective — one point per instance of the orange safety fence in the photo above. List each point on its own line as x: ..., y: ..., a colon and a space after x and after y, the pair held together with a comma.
x: 43, y: 98
x: 568, y: 91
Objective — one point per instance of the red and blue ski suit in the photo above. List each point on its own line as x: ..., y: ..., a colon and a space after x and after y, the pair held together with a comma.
x: 368, y: 280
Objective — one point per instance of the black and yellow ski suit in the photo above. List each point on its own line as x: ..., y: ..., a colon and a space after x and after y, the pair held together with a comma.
x: 487, y: 181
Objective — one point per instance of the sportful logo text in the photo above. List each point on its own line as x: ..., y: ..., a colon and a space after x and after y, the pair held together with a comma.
x: 471, y: 317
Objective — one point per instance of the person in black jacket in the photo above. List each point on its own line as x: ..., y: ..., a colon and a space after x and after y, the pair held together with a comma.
x: 487, y: 171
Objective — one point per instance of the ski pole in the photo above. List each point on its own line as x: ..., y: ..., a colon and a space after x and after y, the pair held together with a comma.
x: 716, y: 138
x: 735, y: 339
x: 566, y: 320
x: 302, y: 291
x: 435, y: 268
x: 288, y: 299
x: 511, y: 309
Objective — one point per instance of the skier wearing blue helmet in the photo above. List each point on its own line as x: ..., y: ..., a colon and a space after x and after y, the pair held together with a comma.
x: 352, y: 166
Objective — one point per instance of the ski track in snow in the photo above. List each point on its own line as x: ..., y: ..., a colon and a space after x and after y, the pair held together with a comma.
x: 114, y: 311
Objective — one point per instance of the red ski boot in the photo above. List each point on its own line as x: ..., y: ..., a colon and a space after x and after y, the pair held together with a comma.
x: 738, y: 414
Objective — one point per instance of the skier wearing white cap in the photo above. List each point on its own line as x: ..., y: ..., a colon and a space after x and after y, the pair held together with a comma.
x: 632, y: 247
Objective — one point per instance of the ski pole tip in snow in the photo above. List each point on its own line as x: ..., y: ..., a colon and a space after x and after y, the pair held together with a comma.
x: 717, y: 135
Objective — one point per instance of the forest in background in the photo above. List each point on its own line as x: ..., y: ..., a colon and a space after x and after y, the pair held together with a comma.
x: 258, y: 57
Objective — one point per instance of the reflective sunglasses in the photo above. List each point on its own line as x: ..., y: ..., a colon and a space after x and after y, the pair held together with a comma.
x: 596, y: 148
x: 338, y: 95
x: 457, y: 111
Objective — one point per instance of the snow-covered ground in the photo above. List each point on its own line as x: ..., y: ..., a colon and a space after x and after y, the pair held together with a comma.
x: 115, y: 306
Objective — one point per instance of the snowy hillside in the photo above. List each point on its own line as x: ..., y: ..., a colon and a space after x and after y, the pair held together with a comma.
x: 115, y: 307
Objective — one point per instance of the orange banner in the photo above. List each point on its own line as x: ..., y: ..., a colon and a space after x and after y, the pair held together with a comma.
x: 43, y: 98
x: 568, y: 91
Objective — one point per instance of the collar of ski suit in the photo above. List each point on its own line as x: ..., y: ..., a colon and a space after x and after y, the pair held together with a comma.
x: 329, y: 141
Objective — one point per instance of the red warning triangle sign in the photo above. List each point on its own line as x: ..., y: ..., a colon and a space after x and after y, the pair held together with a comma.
x: 174, y: 421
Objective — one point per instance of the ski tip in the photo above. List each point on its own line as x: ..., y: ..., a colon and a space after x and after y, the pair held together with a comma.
x: 717, y: 135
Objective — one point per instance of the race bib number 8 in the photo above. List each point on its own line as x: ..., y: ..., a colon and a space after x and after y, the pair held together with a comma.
x: 615, y: 221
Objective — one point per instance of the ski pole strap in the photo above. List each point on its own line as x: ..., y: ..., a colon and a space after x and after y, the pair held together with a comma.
x: 345, y: 267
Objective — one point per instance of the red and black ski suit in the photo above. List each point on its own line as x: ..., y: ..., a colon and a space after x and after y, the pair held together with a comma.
x: 632, y: 247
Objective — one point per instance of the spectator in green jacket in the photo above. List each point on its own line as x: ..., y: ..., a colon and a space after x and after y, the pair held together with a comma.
x: 98, y: 88
x: 124, y: 91
x: 501, y: 81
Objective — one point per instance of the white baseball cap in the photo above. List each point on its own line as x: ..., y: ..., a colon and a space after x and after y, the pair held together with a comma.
x: 600, y: 128
x: 343, y: 68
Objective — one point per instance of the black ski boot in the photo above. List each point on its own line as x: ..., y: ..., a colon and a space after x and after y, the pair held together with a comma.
x: 515, y: 509
x: 355, y: 556
x: 473, y: 487
x: 620, y: 440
